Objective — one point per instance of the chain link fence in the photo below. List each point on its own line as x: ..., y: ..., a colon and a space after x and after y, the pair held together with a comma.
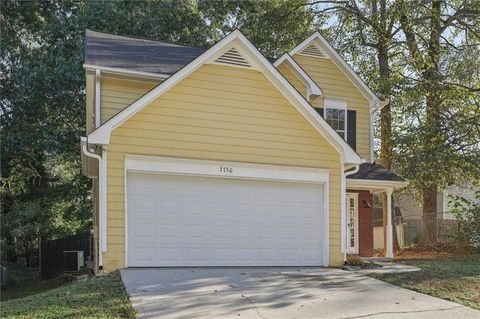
x: 409, y: 232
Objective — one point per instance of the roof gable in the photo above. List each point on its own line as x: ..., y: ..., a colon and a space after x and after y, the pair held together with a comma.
x: 255, y: 60
x: 312, y: 88
x: 317, y: 46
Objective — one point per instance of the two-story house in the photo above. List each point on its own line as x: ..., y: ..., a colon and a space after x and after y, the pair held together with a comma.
x: 217, y: 157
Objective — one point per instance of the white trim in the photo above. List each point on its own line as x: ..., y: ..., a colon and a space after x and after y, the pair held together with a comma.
x: 312, y: 87
x: 102, y: 134
x: 190, y: 167
x: 330, y: 103
x: 378, y: 105
x: 237, y: 170
x: 97, y: 98
x: 374, y: 107
x: 103, y: 201
x: 372, y: 134
x: 343, y: 211
x: 126, y: 72
x: 339, y: 61
x: 373, y: 184
x: 326, y: 224
x: 337, y: 104
x: 125, y: 221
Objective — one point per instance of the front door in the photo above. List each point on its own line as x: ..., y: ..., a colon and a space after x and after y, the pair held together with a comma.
x: 352, y: 223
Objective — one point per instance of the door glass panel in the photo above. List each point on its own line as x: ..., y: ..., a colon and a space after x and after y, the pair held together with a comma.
x: 351, y: 224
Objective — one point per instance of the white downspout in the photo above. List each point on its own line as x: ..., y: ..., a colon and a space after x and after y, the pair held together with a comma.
x: 372, y: 133
x: 101, y: 201
x: 378, y: 105
x: 343, y: 211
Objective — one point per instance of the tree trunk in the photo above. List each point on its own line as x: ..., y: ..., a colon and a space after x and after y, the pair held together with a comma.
x: 429, y: 214
x: 385, y: 113
x: 11, y: 252
x: 433, y: 103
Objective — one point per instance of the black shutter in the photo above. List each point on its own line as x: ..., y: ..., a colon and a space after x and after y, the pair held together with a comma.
x: 319, y: 111
x: 352, y: 129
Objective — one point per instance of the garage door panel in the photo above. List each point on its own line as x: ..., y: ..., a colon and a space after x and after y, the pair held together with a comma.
x: 201, y: 221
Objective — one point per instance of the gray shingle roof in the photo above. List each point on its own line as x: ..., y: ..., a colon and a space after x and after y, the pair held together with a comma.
x: 137, y: 54
x: 374, y: 172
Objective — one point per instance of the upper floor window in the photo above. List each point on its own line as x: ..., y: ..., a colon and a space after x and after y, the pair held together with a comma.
x: 336, y: 115
x: 336, y: 118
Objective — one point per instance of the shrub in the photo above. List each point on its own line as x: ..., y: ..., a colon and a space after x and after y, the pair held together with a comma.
x: 354, y: 260
x: 467, y: 213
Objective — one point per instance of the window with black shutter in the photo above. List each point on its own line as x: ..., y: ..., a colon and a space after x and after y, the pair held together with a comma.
x: 338, y: 119
x: 352, y: 129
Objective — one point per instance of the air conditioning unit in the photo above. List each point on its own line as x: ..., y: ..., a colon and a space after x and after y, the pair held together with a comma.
x: 73, y: 260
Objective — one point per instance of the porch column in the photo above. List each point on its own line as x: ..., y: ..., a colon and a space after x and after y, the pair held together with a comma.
x: 389, y: 248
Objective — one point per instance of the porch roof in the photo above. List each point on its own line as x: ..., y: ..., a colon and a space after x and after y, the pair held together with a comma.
x: 373, y: 171
x: 375, y: 178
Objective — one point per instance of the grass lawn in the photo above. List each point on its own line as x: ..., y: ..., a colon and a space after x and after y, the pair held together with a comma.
x: 453, y: 278
x: 30, y: 287
x: 97, y: 297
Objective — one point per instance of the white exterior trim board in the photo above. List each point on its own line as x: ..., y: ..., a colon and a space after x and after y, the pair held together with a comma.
x: 343, y: 212
x: 376, y: 182
x: 125, y: 72
x: 312, y: 87
x: 330, y: 103
x: 103, y: 200
x: 97, y: 97
x: 339, y: 61
x: 237, y: 170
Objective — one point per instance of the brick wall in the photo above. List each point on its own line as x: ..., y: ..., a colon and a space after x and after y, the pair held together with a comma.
x: 365, y: 223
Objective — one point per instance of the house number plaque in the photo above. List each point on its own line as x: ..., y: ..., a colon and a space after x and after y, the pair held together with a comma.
x: 226, y: 169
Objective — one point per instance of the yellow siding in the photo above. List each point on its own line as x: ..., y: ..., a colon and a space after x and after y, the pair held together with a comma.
x: 118, y: 93
x: 335, y: 84
x: 218, y: 113
x: 293, y: 79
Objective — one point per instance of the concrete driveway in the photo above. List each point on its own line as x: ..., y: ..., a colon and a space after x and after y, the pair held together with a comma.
x: 277, y: 293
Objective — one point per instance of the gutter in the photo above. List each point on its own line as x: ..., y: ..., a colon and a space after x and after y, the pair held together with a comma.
x: 379, y: 105
x: 126, y: 72
x: 357, y: 168
x: 102, y: 195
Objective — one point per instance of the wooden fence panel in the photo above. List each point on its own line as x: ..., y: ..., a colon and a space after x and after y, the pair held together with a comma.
x: 52, y: 260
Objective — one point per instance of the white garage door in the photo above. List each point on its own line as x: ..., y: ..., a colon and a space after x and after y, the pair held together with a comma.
x: 203, y: 221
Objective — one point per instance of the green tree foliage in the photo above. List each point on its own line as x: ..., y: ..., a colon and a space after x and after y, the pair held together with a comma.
x: 467, y: 213
x: 43, y: 92
x: 274, y: 26
x: 439, y: 138
x: 423, y: 56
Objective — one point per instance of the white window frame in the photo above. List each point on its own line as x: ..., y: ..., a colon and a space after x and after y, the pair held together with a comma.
x: 339, y: 105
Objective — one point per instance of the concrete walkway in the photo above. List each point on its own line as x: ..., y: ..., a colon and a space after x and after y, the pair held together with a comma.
x: 277, y: 293
x: 388, y: 267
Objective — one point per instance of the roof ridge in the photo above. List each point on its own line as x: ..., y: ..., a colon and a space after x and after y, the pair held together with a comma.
x: 145, y: 38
